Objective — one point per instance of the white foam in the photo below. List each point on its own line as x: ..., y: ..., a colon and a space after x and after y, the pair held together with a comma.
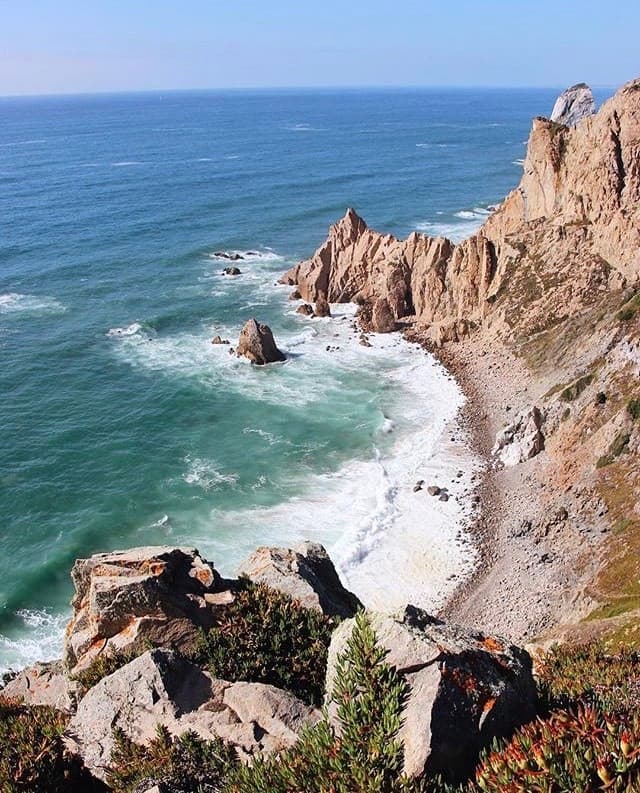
x: 40, y: 638
x: 392, y: 545
x: 125, y: 163
x: 22, y: 143
x: 265, y: 255
x: 129, y: 330
x: 205, y: 475
x: 15, y: 303
x: 518, y: 162
x: 467, y: 223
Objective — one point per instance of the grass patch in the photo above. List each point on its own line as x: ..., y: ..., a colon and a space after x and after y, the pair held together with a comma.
x: 615, y: 608
x: 633, y: 409
x: 618, y: 446
x: 573, y: 391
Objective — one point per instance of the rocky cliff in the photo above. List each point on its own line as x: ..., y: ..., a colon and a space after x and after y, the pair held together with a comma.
x: 546, y: 300
x: 577, y: 200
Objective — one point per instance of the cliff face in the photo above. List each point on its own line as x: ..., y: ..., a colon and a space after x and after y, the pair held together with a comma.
x: 579, y: 197
x: 546, y: 298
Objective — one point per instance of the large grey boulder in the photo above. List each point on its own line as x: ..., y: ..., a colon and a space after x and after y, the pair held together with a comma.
x: 305, y: 573
x: 256, y: 343
x: 573, y: 105
x: 520, y: 440
x: 465, y: 688
x: 162, y: 688
x: 125, y: 600
x: 43, y: 684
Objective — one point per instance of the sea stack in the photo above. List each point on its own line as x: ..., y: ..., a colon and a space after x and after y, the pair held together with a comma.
x: 256, y: 343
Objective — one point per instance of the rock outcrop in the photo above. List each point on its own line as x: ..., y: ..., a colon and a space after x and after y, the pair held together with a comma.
x: 258, y: 345
x: 465, y: 689
x: 161, y: 688
x: 42, y: 684
x: 126, y: 599
x: 305, y: 573
x: 579, y: 197
x: 521, y: 440
x: 573, y: 105
x: 322, y: 308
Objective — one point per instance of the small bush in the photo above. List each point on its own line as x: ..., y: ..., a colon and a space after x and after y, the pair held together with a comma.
x: 366, y: 756
x: 105, y: 665
x: 626, y: 314
x: 583, y: 751
x: 633, y: 409
x: 185, y: 764
x: 266, y: 637
x: 32, y: 755
x: 601, y: 398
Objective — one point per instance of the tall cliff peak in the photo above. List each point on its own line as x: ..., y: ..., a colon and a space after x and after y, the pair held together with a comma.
x: 573, y: 105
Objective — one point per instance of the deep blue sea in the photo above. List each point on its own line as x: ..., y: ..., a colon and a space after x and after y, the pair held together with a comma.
x: 120, y: 423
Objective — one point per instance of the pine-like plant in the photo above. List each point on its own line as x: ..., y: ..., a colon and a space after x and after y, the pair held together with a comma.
x: 363, y: 755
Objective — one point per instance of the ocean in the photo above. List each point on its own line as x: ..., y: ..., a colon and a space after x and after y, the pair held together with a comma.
x: 122, y: 425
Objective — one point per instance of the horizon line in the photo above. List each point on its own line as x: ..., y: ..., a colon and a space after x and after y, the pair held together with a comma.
x: 292, y: 89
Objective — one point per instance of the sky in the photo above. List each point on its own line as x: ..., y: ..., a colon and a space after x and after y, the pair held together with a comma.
x: 77, y: 46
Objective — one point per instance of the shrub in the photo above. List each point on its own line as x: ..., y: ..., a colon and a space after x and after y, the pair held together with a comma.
x: 633, y: 409
x: 32, y: 755
x: 590, y: 673
x: 582, y: 751
x: 266, y: 637
x: 364, y: 756
x: 626, y: 314
x: 601, y: 398
x: 184, y: 764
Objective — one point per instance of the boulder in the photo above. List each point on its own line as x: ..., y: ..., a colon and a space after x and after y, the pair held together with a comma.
x: 42, y: 684
x: 305, y: 573
x: 258, y: 345
x: 465, y: 688
x: 521, y: 440
x: 125, y: 600
x: 219, y: 340
x: 162, y: 688
x: 573, y: 105
x: 232, y: 271
x: 232, y: 257
x: 306, y: 310
x: 322, y: 308
x: 382, y: 318
x: 295, y: 295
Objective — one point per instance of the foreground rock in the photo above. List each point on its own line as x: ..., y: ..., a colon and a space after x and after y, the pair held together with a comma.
x: 573, y: 105
x: 382, y: 318
x: 43, y: 684
x: 305, y: 573
x: 126, y: 599
x: 161, y: 688
x: 465, y: 689
x: 521, y: 440
x: 322, y: 308
x: 258, y: 345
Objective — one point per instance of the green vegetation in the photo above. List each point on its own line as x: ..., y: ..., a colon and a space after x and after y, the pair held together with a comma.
x: 185, y: 764
x: 601, y: 397
x: 618, y: 446
x: 629, y: 309
x: 633, y: 409
x: 573, y: 391
x: 32, y: 755
x: 365, y: 757
x: 266, y: 637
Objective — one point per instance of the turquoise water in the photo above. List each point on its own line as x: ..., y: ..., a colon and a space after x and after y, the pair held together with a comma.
x: 121, y: 424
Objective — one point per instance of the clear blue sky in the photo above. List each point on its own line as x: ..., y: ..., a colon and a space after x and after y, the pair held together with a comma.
x: 70, y: 46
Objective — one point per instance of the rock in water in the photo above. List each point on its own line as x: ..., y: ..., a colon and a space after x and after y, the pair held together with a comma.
x: 305, y: 573
x: 125, y: 600
x: 232, y: 271
x: 322, y: 306
x: 306, y: 310
x: 258, y: 345
x: 465, y: 688
x: 573, y: 105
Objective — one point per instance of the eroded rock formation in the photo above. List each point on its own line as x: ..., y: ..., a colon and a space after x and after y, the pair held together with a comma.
x: 579, y: 197
x: 573, y: 105
x: 258, y: 345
